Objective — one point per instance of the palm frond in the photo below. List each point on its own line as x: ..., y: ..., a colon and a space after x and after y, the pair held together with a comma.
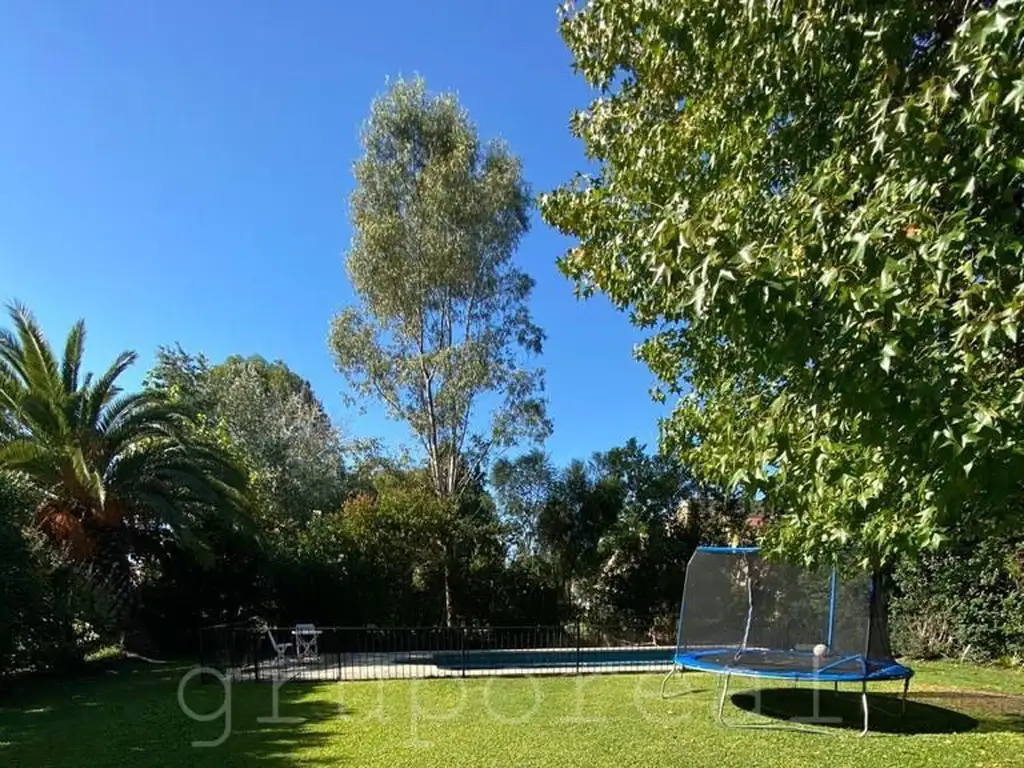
x: 152, y: 418
x: 133, y: 463
x: 11, y: 389
x: 127, y: 469
x: 87, y: 480
x: 28, y: 456
x: 42, y: 416
x: 124, y: 407
x: 72, y: 362
x: 183, y: 527
x: 8, y: 427
x: 104, y: 390
x: 10, y: 354
x: 157, y: 502
x: 38, y: 361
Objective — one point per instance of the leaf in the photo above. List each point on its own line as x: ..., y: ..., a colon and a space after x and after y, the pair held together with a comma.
x: 888, y: 353
x: 850, y: 250
x: 861, y: 240
x: 886, y: 280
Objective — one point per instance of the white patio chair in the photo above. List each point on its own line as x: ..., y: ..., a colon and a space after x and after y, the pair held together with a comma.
x: 306, y: 642
x: 281, y: 649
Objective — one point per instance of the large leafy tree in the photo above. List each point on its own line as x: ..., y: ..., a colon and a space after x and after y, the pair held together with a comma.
x: 521, y: 486
x: 443, y: 319
x: 270, y: 419
x: 818, y: 208
x: 267, y: 418
x: 580, y: 508
x: 284, y: 435
x: 394, y: 529
x: 442, y: 329
x: 665, y: 514
x: 107, y: 467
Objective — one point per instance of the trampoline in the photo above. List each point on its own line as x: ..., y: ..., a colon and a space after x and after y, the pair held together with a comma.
x: 743, y: 615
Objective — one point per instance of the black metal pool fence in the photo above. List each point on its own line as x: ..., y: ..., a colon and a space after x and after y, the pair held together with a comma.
x: 254, y: 652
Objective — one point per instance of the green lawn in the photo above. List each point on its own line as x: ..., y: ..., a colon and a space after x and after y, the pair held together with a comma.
x: 959, y: 716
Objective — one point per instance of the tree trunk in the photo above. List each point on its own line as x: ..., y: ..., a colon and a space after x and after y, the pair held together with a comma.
x: 445, y: 546
x: 448, y: 615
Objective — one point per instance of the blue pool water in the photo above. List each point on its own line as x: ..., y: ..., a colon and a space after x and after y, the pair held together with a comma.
x: 561, y: 657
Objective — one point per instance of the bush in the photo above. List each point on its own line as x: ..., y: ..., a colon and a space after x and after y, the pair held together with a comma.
x: 48, y: 608
x: 965, y: 602
x: 21, y: 593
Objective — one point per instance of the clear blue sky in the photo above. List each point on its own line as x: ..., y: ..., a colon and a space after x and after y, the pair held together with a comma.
x: 178, y: 172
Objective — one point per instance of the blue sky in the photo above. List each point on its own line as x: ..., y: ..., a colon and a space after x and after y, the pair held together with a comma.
x: 178, y: 172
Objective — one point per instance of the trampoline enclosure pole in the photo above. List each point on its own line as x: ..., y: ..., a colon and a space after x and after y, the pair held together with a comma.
x: 833, y: 589
x: 750, y: 608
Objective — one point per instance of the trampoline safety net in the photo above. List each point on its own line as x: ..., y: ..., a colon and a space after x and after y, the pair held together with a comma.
x: 742, y: 612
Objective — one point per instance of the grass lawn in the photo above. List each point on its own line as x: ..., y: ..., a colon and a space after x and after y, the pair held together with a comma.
x: 130, y: 716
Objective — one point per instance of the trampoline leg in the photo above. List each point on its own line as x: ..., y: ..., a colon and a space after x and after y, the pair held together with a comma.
x: 798, y: 726
x: 903, y: 703
x: 864, y: 704
x: 664, y: 682
x: 835, y: 686
x: 721, y: 701
x: 675, y: 669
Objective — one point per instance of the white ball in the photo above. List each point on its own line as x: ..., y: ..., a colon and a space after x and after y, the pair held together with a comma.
x: 820, y: 650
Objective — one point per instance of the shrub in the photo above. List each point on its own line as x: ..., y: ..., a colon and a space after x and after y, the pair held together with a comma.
x: 50, y: 614
x: 964, y: 602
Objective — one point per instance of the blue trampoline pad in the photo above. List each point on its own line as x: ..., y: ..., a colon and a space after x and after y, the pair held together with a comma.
x: 790, y: 665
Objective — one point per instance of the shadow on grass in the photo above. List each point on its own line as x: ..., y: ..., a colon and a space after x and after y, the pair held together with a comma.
x: 134, y: 717
x: 129, y: 675
x: 926, y: 712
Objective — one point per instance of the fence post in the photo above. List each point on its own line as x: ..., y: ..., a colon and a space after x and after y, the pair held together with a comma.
x: 254, y: 647
x: 462, y: 643
x: 577, y: 643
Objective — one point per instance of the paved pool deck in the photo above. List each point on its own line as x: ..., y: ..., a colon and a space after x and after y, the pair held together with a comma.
x: 454, y: 664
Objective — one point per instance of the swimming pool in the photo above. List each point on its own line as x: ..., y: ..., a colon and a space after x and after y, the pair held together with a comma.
x: 553, y: 657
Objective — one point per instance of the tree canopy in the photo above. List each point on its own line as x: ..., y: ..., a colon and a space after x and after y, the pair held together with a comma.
x: 105, y: 468
x: 817, y: 208
x: 269, y: 418
x: 442, y: 329
x: 521, y: 485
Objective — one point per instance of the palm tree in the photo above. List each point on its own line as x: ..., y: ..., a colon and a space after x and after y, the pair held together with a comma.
x: 108, y: 467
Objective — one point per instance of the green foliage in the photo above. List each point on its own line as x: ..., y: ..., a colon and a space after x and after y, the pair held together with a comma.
x: 443, y: 318
x: 665, y: 515
x: 614, y: 534
x: 48, y: 611
x: 818, y: 207
x: 21, y: 583
x: 106, y: 468
x: 283, y: 435
x: 521, y: 486
x: 963, y: 602
x: 394, y: 536
x: 269, y: 419
x: 288, y: 565
x: 581, y: 506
